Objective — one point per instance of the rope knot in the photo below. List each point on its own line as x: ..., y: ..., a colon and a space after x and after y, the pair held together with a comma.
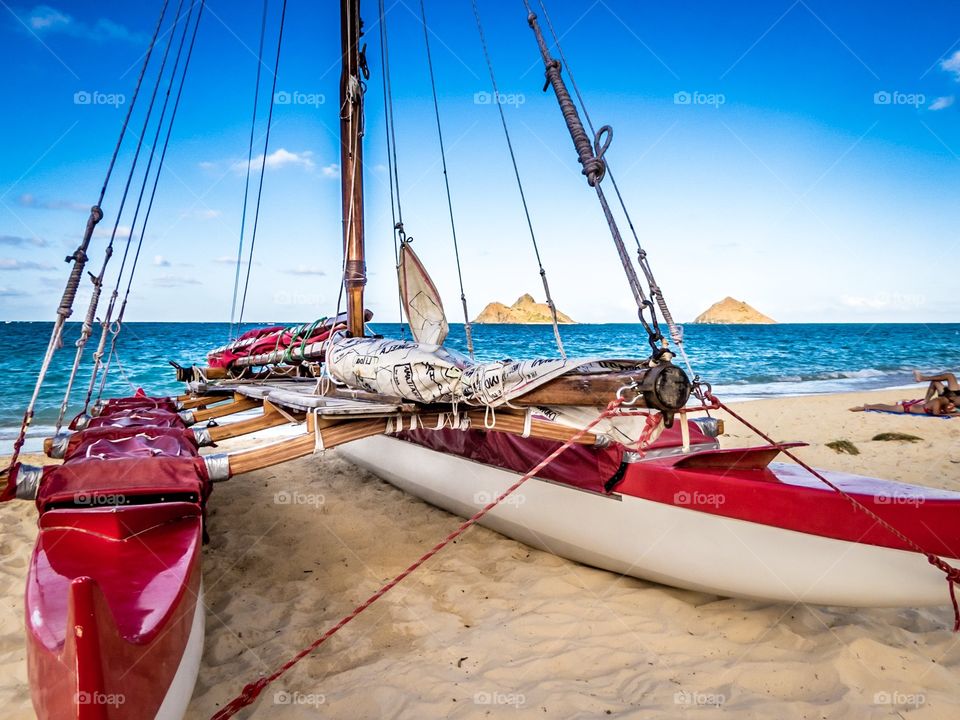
x: 594, y: 168
x: 952, y: 573
x: 953, y: 577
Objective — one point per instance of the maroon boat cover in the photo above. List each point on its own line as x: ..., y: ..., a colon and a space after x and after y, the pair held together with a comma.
x: 580, y: 466
x: 268, y: 340
x: 137, y: 403
x: 113, y: 442
x: 97, y: 483
x: 138, y: 418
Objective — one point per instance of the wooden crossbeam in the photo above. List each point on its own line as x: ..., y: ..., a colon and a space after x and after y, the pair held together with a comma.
x: 339, y: 433
x: 271, y: 418
x: 239, y: 404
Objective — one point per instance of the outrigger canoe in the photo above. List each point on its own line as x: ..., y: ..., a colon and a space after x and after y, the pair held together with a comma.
x: 114, y: 609
x: 726, y: 522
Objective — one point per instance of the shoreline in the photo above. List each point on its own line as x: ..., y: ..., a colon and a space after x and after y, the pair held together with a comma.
x: 492, y: 622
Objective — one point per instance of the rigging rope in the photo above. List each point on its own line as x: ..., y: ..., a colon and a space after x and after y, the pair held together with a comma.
x: 676, y: 332
x: 263, y: 164
x: 79, y: 257
x: 395, y: 207
x: 105, y: 323
x: 115, y: 330
x: 591, y: 156
x: 246, y: 186
x: 87, y: 327
x: 516, y: 172
x: 250, y: 692
x: 467, y: 328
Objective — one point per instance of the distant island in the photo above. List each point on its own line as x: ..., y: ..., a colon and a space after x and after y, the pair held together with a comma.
x: 732, y: 312
x: 525, y: 311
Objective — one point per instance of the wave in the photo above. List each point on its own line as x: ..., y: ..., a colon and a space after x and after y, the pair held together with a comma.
x: 814, y: 383
x: 899, y: 373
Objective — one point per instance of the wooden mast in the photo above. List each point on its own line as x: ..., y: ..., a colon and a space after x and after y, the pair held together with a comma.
x: 351, y: 162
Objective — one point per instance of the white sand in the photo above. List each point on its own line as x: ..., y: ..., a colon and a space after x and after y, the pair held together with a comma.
x: 493, y: 628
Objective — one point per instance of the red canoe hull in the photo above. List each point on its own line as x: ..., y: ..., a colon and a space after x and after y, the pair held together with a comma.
x: 112, y: 597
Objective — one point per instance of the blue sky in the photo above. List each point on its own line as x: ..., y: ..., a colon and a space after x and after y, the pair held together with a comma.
x: 813, y: 172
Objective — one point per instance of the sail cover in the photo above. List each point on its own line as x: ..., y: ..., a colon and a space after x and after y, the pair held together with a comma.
x: 429, y: 373
x: 420, y: 299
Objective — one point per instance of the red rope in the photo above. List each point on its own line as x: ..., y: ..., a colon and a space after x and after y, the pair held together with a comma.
x: 952, y: 573
x: 252, y: 691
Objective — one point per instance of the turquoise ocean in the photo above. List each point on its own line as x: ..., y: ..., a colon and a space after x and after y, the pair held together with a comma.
x: 741, y: 361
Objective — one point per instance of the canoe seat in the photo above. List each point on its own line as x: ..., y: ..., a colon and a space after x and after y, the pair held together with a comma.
x: 89, y: 483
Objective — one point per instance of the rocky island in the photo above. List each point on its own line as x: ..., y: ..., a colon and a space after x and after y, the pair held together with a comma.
x: 732, y: 312
x: 525, y: 311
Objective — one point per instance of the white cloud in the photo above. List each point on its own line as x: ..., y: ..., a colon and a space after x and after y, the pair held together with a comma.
x: 173, y: 281
x: 942, y: 103
x: 29, y: 200
x: 952, y: 65
x: 160, y: 261
x: 231, y: 260
x: 13, y: 264
x: 46, y: 20
x: 123, y: 231
x: 331, y: 171
x: 10, y: 292
x: 307, y: 270
x: 21, y: 241
x: 279, y: 158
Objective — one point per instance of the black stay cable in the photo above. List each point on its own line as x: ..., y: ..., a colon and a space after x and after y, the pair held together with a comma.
x: 79, y: 257
x: 105, y: 323
x: 246, y: 186
x: 516, y: 171
x: 391, y: 158
x: 115, y: 330
x: 263, y: 164
x: 446, y: 181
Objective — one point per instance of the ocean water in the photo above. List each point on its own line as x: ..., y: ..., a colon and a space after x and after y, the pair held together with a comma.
x: 741, y: 361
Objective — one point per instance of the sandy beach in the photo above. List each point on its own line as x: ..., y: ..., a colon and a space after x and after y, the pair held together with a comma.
x: 492, y: 628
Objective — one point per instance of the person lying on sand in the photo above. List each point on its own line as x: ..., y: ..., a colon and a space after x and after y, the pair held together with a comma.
x: 933, y: 406
x: 943, y: 385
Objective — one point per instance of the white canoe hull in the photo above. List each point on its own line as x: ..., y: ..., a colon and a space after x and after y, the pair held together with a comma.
x: 174, y: 706
x: 660, y: 542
